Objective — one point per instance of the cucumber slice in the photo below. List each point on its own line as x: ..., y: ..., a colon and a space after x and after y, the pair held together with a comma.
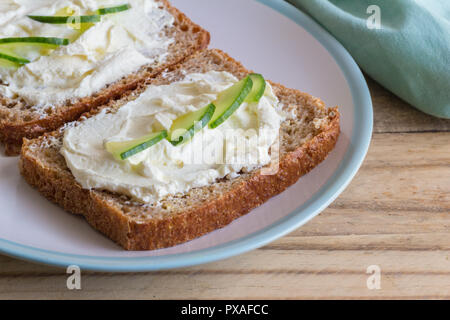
x: 110, y: 10
x: 122, y: 150
x: 13, y: 58
x: 184, y: 127
x: 230, y: 100
x: 81, y: 19
x: 36, y: 40
x: 6, y: 64
x: 259, y: 87
x: 67, y: 19
x: 31, y: 48
x: 29, y: 51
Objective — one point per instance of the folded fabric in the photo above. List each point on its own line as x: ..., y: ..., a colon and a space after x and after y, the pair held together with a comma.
x: 404, y: 45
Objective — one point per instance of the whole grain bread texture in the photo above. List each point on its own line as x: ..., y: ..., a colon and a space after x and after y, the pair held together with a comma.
x: 19, y: 120
x: 305, y: 140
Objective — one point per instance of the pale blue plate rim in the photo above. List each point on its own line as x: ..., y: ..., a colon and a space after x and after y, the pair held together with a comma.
x: 362, y: 133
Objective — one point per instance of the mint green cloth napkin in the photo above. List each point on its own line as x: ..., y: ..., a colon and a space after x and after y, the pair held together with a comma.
x: 409, y: 55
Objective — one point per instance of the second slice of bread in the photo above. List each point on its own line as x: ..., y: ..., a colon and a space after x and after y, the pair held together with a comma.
x: 306, y: 139
x: 19, y: 120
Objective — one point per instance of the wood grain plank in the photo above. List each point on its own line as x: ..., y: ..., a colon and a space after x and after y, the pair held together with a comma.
x: 403, y: 187
x: 394, y: 242
x: 261, y: 274
x: 348, y: 221
x: 413, y: 149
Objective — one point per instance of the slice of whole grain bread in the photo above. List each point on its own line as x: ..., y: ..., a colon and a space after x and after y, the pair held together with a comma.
x: 19, y: 120
x: 306, y: 139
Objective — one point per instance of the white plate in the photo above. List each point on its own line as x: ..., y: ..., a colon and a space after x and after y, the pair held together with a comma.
x: 272, y: 38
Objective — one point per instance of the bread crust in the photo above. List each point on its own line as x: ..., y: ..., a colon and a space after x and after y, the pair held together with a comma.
x: 104, y: 214
x: 12, y: 133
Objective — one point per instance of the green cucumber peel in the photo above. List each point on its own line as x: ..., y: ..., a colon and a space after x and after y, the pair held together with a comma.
x: 67, y: 19
x: 230, y: 100
x: 36, y: 40
x: 111, y: 10
x: 14, y: 59
x: 258, y: 89
x: 185, y: 127
x: 122, y: 150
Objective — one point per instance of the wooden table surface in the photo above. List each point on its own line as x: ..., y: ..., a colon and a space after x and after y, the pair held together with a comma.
x: 394, y: 215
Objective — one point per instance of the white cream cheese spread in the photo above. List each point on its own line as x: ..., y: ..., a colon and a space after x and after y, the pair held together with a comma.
x: 118, y: 45
x: 242, y: 142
